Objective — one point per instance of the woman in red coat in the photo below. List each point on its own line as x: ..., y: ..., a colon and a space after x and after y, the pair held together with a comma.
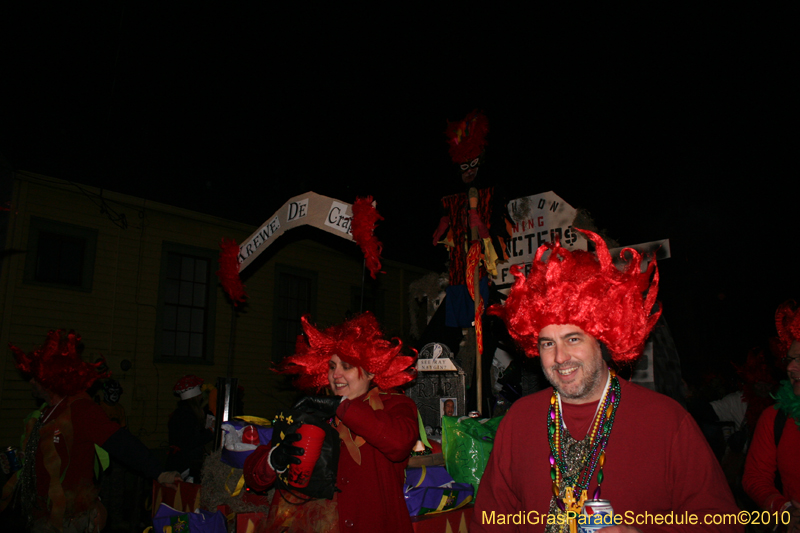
x: 377, y: 428
x: 768, y: 456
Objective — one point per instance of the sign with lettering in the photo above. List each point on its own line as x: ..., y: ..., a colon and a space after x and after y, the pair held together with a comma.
x: 338, y: 218
x: 312, y: 209
x: 435, y: 357
x: 537, y: 219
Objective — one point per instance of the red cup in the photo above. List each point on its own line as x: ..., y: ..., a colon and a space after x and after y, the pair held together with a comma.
x: 250, y: 435
x: 311, y: 441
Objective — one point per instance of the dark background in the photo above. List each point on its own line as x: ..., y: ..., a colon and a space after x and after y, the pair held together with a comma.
x: 673, y: 123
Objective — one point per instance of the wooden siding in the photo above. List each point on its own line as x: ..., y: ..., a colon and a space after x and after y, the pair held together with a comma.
x: 117, y: 319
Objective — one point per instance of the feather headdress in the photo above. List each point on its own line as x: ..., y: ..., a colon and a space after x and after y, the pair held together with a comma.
x: 57, y: 366
x: 467, y: 138
x: 359, y: 342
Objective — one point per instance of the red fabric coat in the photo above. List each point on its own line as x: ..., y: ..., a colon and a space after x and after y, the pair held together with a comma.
x: 67, y: 449
x: 764, y: 459
x: 657, y: 461
x: 372, y: 493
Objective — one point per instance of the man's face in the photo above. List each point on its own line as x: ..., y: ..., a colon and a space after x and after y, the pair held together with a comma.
x: 573, y: 363
x: 39, y: 392
x: 793, y: 368
x: 449, y: 408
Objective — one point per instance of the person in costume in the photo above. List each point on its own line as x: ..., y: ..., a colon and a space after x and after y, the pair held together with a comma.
x: 108, y: 400
x: 56, y: 490
x: 772, y: 469
x: 475, y: 227
x: 477, y: 207
x: 593, y: 435
x: 377, y: 427
x: 112, y: 484
x: 744, y: 406
x: 188, y: 435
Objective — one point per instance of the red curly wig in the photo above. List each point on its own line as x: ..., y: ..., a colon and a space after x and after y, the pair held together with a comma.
x: 359, y: 342
x: 787, y: 322
x: 467, y: 137
x: 584, y: 289
x: 57, y: 366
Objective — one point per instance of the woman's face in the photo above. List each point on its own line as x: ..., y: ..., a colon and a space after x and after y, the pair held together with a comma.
x: 346, y: 380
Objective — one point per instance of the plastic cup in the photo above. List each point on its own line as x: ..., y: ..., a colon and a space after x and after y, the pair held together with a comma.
x: 250, y: 435
x: 311, y: 441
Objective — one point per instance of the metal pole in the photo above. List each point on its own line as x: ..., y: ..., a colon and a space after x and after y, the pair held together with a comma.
x: 476, y: 279
x: 232, y: 343
x: 226, y: 406
x: 363, y: 283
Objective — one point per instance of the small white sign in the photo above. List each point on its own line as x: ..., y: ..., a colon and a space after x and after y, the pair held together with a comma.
x: 435, y: 365
x: 338, y: 218
x: 435, y: 357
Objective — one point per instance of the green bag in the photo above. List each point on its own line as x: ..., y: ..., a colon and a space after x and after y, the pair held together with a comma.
x: 466, y: 445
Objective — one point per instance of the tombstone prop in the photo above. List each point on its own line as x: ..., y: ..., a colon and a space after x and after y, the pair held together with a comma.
x: 440, y: 379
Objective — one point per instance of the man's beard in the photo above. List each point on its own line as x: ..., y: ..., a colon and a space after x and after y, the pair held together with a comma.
x: 576, y: 391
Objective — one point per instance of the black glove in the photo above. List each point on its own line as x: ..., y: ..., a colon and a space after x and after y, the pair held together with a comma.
x: 326, y: 405
x: 284, y: 453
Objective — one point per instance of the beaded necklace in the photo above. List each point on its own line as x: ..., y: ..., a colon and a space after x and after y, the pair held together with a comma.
x: 578, y: 483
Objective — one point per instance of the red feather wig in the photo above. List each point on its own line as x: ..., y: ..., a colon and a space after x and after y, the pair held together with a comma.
x: 467, y: 138
x: 57, y: 366
x: 586, y: 290
x: 787, y: 322
x: 359, y: 342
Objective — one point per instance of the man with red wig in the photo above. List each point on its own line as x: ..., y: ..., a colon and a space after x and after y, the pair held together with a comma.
x: 376, y: 423
x: 56, y: 490
x: 772, y: 470
x: 594, y: 435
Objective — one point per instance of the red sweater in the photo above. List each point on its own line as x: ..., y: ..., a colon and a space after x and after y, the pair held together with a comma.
x: 372, y: 493
x: 763, y: 460
x: 657, y: 462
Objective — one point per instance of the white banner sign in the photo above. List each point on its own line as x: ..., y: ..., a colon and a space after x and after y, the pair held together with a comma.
x: 537, y: 219
x: 311, y: 209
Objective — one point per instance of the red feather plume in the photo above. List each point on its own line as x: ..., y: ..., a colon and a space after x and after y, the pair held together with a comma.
x: 365, y: 220
x: 228, y: 272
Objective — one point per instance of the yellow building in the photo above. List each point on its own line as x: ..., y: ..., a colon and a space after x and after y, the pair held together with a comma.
x: 137, y: 279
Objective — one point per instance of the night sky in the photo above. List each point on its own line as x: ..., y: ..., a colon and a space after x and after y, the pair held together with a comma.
x: 661, y: 124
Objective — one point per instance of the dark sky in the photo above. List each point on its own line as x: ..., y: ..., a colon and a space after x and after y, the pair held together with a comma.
x: 662, y: 124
